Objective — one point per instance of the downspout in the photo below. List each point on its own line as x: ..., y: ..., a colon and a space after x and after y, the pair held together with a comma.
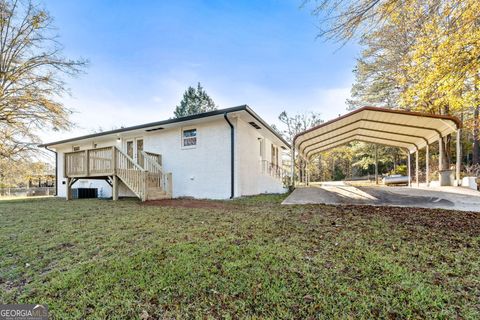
x: 56, y: 170
x: 232, y: 156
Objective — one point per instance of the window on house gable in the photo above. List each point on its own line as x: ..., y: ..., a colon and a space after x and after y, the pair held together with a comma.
x: 189, y: 138
x: 76, y: 148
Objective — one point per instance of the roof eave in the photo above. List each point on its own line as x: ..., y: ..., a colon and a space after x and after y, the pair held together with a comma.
x: 244, y: 107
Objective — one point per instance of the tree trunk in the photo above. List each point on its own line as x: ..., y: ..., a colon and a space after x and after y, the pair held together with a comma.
x: 447, y: 149
x: 320, y: 169
x: 476, y: 135
x: 333, y: 169
x: 300, y: 170
x: 447, y: 157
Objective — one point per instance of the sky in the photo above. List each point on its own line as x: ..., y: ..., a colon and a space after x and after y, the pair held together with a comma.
x: 144, y: 54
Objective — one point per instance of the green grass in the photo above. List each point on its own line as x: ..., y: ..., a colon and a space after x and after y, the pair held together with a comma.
x: 248, y: 258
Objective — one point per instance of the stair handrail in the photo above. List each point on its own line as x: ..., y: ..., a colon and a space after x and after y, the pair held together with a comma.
x: 150, y: 161
x: 138, y: 184
x: 165, y: 180
x: 154, y: 156
x: 130, y: 159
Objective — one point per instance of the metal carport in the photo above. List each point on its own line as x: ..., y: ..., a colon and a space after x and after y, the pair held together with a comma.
x: 410, y: 131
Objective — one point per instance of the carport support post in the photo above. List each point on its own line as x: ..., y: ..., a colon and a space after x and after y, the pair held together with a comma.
x: 293, y: 165
x: 416, y: 169
x: 409, y: 170
x: 427, y: 165
x: 307, y: 174
x: 459, y: 156
x: 376, y: 164
x: 440, y: 155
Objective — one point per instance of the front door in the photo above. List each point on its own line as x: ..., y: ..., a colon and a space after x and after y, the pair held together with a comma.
x: 139, y: 149
x: 134, y: 148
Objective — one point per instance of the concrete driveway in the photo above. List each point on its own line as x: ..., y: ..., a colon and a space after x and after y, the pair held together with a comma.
x: 340, y: 193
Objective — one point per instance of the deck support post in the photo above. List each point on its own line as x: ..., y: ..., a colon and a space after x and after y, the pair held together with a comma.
x: 169, y: 184
x: 69, y: 189
x: 115, y: 188
x: 459, y: 158
x: 416, y: 169
x: 427, y: 165
x: 409, y: 168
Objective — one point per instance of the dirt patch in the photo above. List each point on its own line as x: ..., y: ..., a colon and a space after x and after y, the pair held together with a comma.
x: 189, y: 203
x: 439, y: 219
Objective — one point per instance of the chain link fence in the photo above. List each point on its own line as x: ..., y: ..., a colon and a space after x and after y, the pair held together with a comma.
x: 27, y: 192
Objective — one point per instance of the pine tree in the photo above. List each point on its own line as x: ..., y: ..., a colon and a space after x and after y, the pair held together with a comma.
x: 195, y: 101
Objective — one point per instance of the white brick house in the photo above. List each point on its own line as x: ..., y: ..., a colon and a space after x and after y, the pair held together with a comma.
x: 218, y: 155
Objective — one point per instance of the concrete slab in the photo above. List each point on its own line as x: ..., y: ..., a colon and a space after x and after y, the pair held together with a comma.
x: 340, y: 193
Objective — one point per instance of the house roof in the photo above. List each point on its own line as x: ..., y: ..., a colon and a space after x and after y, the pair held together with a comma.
x: 153, y: 125
x: 398, y: 128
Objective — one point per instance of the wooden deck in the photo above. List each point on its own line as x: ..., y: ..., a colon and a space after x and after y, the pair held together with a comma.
x: 147, y: 181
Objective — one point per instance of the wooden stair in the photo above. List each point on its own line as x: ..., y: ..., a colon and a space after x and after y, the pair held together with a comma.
x: 130, y: 173
x: 157, y: 194
x: 147, y: 182
x: 159, y: 184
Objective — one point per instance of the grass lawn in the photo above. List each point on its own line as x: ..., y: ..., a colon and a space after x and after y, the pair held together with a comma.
x: 248, y: 258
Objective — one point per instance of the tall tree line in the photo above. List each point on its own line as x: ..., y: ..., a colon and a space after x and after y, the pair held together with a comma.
x: 419, y: 55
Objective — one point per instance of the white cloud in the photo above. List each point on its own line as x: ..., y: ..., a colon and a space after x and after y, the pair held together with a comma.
x: 331, y: 102
x: 104, y: 109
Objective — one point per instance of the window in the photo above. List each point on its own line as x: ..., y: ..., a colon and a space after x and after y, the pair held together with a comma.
x: 260, y: 142
x: 130, y: 148
x: 76, y: 148
x: 189, y: 138
x: 274, y: 155
x: 139, y: 152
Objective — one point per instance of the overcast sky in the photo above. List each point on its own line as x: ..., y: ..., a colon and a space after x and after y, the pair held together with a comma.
x: 144, y: 54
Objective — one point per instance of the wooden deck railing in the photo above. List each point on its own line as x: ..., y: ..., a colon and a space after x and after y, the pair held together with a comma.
x: 273, y: 170
x: 111, y: 161
x: 100, y: 161
x: 75, y: 164
x: 156, y: 177
x: 90, y: 163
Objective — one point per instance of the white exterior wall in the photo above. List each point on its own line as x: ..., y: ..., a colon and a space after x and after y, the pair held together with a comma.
x: 252, y: 179
x: 202, y: 171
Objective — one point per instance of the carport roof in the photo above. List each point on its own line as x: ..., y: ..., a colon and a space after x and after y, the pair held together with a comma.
x: 397, y: 128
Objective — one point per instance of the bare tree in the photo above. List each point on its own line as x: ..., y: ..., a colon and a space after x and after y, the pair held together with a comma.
x: 342, y: 20
x: 31, y: 76
x: 296, y: 124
